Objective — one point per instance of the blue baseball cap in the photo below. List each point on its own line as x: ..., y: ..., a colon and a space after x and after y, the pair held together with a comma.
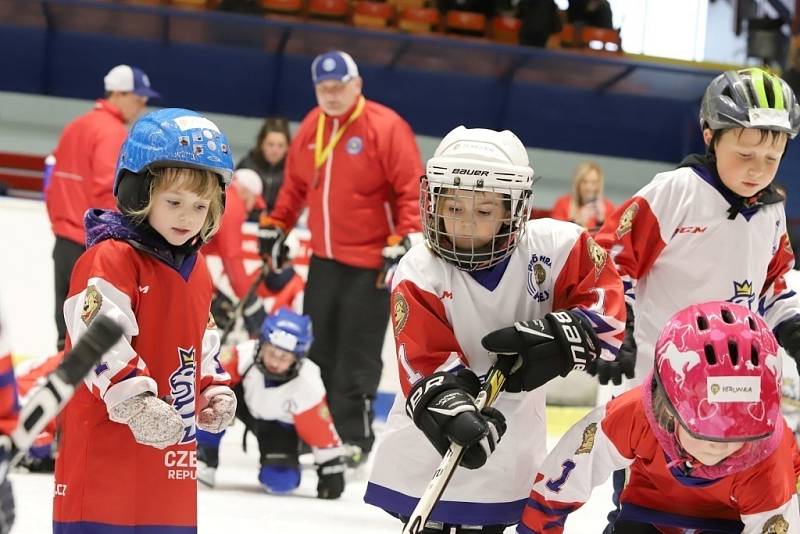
x: 333, y: 65
x: 127, y: 79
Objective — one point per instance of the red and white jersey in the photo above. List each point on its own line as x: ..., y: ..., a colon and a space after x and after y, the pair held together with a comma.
x: 9, y: 403
x: 675, y: 245
x: 618, y: 435
x: 440, y: 314
x: 170, y: 349
x: 299, y: 402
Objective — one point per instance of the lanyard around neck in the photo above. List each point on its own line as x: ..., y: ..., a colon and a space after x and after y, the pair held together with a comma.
x: 321, y: 154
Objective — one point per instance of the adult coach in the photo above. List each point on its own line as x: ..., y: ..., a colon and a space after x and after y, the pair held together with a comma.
x: 83, y: 176
x: 356, y: 165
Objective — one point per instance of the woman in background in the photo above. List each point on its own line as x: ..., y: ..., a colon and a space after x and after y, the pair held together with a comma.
x: 585, y: 205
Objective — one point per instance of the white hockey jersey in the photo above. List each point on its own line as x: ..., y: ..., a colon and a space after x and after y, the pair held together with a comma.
x: 440, y: 314
x: 680, y: 241
x: 299, y: 402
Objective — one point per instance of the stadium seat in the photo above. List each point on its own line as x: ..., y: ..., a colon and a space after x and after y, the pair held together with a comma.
x: 506, y: 29
x: 465, y: 21
x: 568, y: 36
x: 191, y: 4
x: 401, y: 5
x: 418, y: 19
x: 372, y: 14
x: 283, y: 6
x: 328, y: 9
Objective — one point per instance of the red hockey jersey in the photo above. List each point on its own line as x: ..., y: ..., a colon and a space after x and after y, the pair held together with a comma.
x: 105, y: 481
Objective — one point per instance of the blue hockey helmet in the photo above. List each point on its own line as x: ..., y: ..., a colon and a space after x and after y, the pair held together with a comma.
x: 175, y: 137
x: 289, y: 331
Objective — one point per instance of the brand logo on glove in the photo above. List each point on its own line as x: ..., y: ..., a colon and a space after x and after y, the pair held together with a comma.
x: 573, y: 337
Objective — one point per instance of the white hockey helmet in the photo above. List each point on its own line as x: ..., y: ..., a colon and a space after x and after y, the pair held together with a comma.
x: 477, y: 160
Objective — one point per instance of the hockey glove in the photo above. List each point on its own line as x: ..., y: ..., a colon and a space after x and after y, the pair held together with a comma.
x: 331, y: 478
x: 253, y: 314
x: 442, y: 405
x: 153, y: 422
x: 552, y: 346
x: 396, y: 247
x: 217, y: 409
x: 788, y: 334
x: 271, y: 241
x: 625, y: 363
x: 222, y: 309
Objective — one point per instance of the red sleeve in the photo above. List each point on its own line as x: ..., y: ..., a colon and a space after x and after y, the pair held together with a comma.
x: 315, y: 426
x: 424, y: 338
x: 292, y: 195
x: 229, y: 246
x: 632, y: 235
x: 104, y: 165
x: 231, y: 365
x: 403, y: 169
x: 780, y: 264
x: 26, y: 382
x: 560, y: 209
x: 590, y: 282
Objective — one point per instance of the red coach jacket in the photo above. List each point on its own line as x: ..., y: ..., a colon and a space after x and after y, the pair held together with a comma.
x: 366, y: 190
x: 83, y: 177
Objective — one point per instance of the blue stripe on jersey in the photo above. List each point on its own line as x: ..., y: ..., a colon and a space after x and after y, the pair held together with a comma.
x: 451, y: 512
x: 561, y: 511
x: 7, y: 378
x: 632, y: 512
x: 763, y: 309
x: 86, y: 527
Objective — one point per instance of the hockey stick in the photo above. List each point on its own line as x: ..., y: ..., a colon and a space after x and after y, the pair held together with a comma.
x: 46, y: 402
x: 240, y: 306
x: 491, y: 389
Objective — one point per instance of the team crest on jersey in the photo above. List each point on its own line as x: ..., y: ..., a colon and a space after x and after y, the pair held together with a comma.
x: 92, y: 302
x: 776, y: 524
x: 399, y: 313
x: 181, y: 388
x: 743, y: 293
x: 587, y: 443
x: 597, y: 254
x: 626, y: 221
x: 538, y: 266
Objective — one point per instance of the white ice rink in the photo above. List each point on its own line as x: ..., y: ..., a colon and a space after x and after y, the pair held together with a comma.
x: 238, y: 505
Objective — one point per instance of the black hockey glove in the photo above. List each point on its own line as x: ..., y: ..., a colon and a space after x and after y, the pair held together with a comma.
x: 253, y: 314
x: 625, y: 363
x: 788, y: 335
x: 442, y: 406
x: 331, y: 478
x: 271, y: 242
x: 552, y: 346
x: 222, y: 309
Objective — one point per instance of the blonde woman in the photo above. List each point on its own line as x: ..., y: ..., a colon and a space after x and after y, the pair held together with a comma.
x: 585, y: 205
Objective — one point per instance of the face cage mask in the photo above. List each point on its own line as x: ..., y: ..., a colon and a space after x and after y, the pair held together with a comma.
x: 436, y: 202
x: 287, y: 375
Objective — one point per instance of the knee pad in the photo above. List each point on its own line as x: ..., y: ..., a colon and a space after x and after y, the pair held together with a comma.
x: 279, y: 479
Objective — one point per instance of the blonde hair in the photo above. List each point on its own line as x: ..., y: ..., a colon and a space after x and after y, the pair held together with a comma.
x: 575, y: 202
x: 202, y: 183
x: 662, y: 409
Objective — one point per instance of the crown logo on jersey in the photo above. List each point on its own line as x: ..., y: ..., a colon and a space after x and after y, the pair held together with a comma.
x: 745, y: 289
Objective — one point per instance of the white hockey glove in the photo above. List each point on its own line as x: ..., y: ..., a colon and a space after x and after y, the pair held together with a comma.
x: 153, y: 422
x: 217, y: 409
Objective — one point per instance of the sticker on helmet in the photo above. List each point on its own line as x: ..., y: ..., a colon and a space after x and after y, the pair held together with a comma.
x: 734, y: 388
x: 769, y: 118
x: 587, y: 443
x: 189, y: 122
x: 400, y: 313
x: 92, y: 302
x: 626, y: 221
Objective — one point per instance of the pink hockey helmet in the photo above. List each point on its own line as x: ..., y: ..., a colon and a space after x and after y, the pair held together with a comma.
x: 719, y: 366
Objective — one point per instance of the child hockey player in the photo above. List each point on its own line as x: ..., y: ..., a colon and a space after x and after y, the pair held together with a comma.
x: 281, y: 397
x: 127, y: 450
x: 485, y: 266
x: 714, y: 228
x: 703, y: 436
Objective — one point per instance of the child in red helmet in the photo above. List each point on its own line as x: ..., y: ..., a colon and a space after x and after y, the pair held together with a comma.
x: 703, y: 436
